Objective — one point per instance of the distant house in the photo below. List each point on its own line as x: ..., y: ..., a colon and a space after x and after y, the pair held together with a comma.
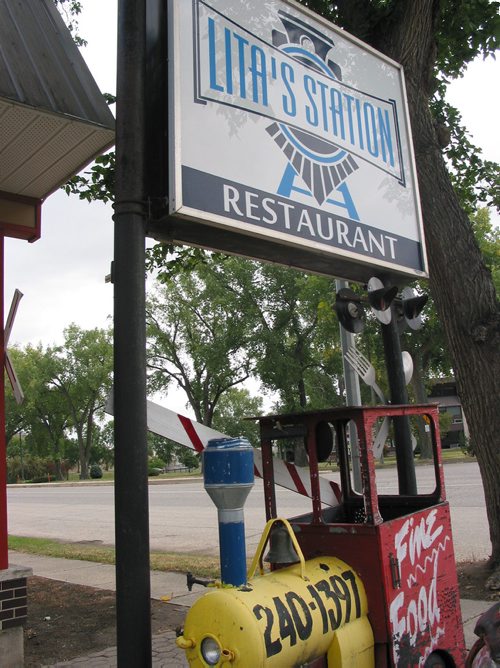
x: 175, y: 465
x: 444, y: 393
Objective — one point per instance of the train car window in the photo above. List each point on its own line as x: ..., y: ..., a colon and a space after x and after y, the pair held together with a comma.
x: 385, y: 454
x: 352, y: 458
x: 425, y: 471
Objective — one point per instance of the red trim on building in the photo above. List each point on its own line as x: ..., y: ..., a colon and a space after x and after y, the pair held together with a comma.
x: 4, y: 550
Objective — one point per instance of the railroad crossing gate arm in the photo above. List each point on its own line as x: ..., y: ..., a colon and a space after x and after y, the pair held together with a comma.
x: 192, y: 434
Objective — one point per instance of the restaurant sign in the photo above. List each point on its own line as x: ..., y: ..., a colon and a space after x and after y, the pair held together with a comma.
x: 290, y: 141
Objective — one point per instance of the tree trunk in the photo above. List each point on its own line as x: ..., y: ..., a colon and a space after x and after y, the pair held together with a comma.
x: 461, y: 285
x: 465, y: 301
x: 302, y: 393
x: 84, y: 473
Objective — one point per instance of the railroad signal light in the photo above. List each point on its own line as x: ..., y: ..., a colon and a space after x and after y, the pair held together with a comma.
x: 412, y: 306
x: 380, y: 298
x: 350, y: 311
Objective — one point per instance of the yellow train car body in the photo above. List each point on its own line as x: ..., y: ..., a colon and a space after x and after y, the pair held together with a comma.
x: 285, y: 618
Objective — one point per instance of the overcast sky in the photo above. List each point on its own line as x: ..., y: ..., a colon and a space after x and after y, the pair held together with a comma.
x: 62, y: 274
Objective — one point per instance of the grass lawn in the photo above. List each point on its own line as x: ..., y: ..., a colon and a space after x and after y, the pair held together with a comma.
x: 201, y: 565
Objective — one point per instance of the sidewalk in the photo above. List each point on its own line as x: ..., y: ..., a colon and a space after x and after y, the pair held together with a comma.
x: 165, y: 652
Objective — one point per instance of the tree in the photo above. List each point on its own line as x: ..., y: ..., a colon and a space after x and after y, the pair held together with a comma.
x: 161, y: 447
x: 488, y: 238
x: 81, y: 374
x: 282, y: 319
x: 188, y: 458
x: 297, y: 344
x: 236, y: 405
x: 103, y: 447
x: 434, y: 40
x: 42, y: 416
x: 198, y: 332
x: 14, y: 415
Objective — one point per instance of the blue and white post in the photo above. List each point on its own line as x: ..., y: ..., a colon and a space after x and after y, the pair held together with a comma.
x: 228, y: 478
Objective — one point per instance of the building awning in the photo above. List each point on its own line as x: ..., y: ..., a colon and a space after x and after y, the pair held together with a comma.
x: 53, y: 118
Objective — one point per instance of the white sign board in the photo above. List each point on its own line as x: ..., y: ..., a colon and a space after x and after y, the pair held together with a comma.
x: 291, y: 133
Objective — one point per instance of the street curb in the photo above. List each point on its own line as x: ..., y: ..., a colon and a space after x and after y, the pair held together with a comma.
x: 102, y: 483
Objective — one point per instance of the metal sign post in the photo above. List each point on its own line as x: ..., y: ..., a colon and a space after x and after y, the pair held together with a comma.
x: 353, y: 395
x: 133, y: 607
x: 399, y: 395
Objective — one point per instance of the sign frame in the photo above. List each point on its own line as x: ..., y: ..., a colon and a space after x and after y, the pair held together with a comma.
x: 189, y: 221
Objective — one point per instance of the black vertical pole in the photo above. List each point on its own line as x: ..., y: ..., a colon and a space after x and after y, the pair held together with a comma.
x: 156, y: 167
x: 133, y: 606
x: 399, y: 395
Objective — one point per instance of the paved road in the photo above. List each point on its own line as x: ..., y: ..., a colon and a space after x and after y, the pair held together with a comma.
x: 183, y: 519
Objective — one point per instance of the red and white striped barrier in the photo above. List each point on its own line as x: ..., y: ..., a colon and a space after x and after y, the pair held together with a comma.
x: 194, y: 435
x: 11, y: 372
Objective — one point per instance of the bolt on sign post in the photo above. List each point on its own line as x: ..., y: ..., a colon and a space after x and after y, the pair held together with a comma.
x: 290, y: 140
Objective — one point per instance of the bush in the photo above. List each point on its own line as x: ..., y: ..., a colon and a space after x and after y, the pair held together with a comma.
x: 189, y: 459
x: 156, y: 463
x: 154, y: 471
x: 466, y: 445
x: 33, y: 468
x: 95, y: 471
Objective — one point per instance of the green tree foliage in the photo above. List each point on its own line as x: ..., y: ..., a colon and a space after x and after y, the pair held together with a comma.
x: 297, y: 347
x: 98, y: 182
x: 188, y: 458
x: 103, y: 448
x: 161, y: 448
x: 81, y: 375
x: 224, y: 319
x: 70, y: 9
x: 235, y: 405
x: 488, y: 238
x: 65, y: 391
x: 41, y: 417
x: 15, y: 421
x: 198, y: 334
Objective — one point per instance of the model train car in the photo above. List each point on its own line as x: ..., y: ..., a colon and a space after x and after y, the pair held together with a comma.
x: 368, y: 582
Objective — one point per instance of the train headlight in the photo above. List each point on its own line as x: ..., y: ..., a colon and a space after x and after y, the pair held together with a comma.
x: 211, y: 651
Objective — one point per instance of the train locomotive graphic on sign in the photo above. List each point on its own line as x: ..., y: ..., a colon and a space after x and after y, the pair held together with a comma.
x: 287, y: 131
